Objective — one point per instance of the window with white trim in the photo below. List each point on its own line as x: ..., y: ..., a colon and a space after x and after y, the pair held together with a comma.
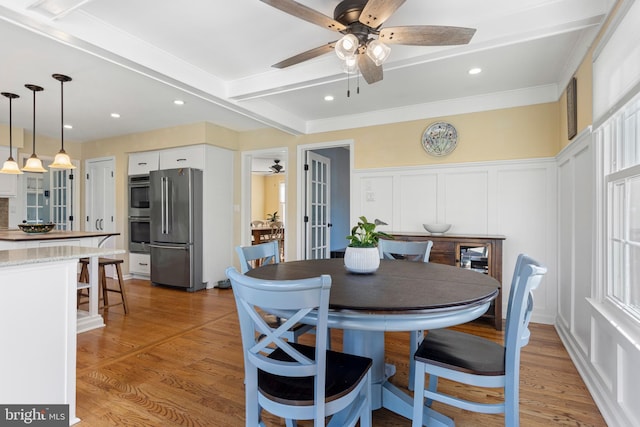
x: 620, y: 138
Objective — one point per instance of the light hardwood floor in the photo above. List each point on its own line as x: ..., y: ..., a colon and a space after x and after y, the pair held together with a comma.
x: 176, y: 360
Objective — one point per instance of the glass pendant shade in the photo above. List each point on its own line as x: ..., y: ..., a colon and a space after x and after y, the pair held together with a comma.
x: 347, y: 46
x: 34, y: 164
x: 378, y: 51
x: 10, y: 166
x: 62, y: 160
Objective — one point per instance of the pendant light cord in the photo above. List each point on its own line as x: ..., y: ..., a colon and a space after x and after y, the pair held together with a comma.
x: 34, y: 122
x: 62, y: 115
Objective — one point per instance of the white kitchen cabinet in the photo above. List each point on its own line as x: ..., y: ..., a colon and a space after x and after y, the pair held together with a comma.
x: 183, y: 157
x: 8, y: 183
x: 139, y: 264
x: 144, y: 162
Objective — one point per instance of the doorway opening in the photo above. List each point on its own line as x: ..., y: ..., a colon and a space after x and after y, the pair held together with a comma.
x: 264, y: 197
x: 324, y: 198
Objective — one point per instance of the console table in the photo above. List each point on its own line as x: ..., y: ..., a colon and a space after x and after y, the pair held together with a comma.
x: 482, y: 253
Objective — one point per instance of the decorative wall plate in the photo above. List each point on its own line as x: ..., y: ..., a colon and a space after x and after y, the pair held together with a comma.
x: 440, y: 139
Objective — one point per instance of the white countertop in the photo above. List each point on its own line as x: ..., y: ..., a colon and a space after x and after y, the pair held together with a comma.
x: 13, y: 257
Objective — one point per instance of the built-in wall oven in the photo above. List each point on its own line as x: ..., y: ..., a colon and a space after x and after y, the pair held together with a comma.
x: 139, y: 234
x: 139, y: 205
x: 139, y: 214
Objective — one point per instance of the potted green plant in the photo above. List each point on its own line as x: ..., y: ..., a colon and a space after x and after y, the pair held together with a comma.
x: 273, y: 217
x: 361, y: 255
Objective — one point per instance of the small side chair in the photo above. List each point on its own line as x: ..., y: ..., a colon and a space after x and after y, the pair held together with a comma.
x: 294, y: 381
x: 477, y: 361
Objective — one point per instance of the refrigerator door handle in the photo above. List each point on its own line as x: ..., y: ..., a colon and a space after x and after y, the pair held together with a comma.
x: 164, y: 203
x: 179, y: 248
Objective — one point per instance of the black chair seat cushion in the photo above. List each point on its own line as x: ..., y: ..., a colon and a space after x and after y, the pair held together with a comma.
x: 344, y: 372
x: 462, y: 352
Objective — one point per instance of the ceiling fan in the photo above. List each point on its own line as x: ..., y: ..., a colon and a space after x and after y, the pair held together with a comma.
x: 276, y: 167
x: 364, y: 44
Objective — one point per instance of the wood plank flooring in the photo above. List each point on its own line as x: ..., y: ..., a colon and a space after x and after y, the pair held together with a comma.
x: 176, y: 360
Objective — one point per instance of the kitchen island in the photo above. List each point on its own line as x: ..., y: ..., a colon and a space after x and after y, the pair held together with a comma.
x: 38, y: 323
x: 17, y: 239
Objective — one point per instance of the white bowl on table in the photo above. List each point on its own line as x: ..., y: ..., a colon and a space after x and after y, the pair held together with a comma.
x: 437, y: 229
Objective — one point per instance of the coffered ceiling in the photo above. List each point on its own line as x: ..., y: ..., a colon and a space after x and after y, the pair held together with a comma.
x: 135, y: 57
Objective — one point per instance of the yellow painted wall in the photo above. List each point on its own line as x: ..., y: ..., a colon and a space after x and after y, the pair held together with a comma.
x: 271, y: 194
x: 257, y: 198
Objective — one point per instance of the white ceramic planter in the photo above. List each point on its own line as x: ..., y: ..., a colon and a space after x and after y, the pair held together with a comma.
x: 361, y: 260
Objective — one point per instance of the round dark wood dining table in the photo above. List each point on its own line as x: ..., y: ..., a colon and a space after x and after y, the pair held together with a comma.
x: 399, y: 296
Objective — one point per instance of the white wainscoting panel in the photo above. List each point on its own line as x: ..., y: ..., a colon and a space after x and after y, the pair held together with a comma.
x: 415, y: 201
x: 516, y: 199
x: 466, y: 201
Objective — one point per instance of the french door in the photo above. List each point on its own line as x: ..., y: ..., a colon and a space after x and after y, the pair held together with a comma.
x: 318, y: 206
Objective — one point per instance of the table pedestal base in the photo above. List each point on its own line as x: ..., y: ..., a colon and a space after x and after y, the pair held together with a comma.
x: 383, y: 393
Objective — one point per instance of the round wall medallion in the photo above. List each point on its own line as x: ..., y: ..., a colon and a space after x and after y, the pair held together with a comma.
x: 440, y: 139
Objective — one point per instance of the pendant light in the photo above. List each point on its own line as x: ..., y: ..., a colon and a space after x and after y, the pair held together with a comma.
x: 62, y: 160
x: 34, y: 164
x: 10, y: 166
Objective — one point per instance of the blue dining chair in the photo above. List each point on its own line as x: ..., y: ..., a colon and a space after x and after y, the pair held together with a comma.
x: 263, y: 254
x: 256, y: 255
x: 477, y: 361
x: 290, y: 380
x: 410, y: 251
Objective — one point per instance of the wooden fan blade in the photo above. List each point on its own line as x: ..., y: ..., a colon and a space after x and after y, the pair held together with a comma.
x: 375, y: 12
x: 306, y: 13
x: 426, y: 35
x: 305, y: 56
x: 370, y: 71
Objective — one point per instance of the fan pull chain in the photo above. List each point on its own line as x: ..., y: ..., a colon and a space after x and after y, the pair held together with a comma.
x: 348, y: 81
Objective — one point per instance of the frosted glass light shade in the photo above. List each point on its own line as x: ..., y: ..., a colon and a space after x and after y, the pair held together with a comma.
x: 62, y: 161
x: 34, y: 164
x: 350, y: 65
x: 10, y: 166
x: 347, y: 46
x: 378, y: 51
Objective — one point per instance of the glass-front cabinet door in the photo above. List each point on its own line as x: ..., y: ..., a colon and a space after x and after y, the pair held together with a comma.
x: 48, y: 198
x: 35, y: 202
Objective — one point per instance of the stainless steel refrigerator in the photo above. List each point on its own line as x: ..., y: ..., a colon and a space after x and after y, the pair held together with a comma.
x: 176, y: 228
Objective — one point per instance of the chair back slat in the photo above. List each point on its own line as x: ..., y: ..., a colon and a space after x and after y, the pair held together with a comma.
x: 409, y: 250
x: 263, y: 253
x: 292, y: 298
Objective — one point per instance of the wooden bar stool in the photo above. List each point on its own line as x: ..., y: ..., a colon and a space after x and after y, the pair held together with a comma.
x: 102, y: 281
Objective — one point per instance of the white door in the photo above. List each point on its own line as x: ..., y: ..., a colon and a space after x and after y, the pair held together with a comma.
x: 100, y: 195
x: 318, y: 206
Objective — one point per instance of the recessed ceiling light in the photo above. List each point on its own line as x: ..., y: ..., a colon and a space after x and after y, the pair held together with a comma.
x: 328, y: 98
x: 178, y: 102
x: 475, y: 70
x: 68, y: 126
x: 115, y: 115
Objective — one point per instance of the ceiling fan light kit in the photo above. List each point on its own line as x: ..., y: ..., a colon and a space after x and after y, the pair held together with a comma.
x: 360, y: 21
